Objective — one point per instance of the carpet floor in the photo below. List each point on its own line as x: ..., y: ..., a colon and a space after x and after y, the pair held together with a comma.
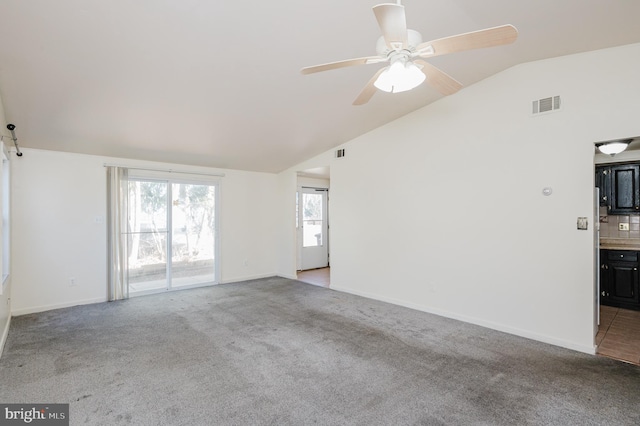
x: 280, y: 352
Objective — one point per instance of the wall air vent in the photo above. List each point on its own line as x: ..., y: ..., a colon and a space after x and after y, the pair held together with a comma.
x: 546, y: 105
x: 340, y: 153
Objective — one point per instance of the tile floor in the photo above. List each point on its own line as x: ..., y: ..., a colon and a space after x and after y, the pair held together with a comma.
x: 315, y: 276
x: 619, y: 334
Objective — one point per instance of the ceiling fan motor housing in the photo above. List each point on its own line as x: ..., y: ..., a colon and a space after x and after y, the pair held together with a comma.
x: 414, y: 38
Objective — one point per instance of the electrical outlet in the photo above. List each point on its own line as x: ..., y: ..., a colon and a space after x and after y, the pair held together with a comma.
x: 245, y: 262
x: 623, y: 227
x: 72, y: 281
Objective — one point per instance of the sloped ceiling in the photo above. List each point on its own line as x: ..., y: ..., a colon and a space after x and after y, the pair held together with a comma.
x: 217, y: 83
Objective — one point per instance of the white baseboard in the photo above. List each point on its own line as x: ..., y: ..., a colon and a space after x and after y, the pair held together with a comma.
x: 477, y: 321
x: 291, y: 277
x: 247, y: 278
x: 5, y: 333
x: 43, y: 308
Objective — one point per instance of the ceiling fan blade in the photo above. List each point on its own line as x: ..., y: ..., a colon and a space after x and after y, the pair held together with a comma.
x: 440, y: 80
x: 369, y: 90
x: 338, y: 64
x: 393, y: 24
x: 489, y: 37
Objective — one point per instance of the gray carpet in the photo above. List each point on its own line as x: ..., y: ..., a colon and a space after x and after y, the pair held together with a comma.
x: 279, y: 352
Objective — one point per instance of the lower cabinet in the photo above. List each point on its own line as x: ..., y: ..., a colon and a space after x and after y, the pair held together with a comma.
x: 619, y: 279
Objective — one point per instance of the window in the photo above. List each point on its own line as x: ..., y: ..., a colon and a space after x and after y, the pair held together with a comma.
x: 312, y: 219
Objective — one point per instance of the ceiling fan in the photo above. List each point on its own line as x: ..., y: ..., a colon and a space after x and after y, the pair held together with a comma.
x: 404, y: 50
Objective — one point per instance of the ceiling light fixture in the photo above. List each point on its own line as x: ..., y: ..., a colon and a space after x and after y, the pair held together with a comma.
x: 400, y: 76
x: 613, y: 148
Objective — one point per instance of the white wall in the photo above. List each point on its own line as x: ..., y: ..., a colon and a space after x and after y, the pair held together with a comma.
x: 442, y: 210
x: 286, y: 224
x: 313, y: 182
x: 57, y: 197
x: 5, y: 293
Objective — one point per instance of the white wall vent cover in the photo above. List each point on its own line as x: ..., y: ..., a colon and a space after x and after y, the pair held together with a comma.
x: 546, y: 105
x: 340, y: 153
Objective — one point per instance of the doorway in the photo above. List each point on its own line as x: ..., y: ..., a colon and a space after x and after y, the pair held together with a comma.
x: 314, y: 228
x: 319, y: 277
x: 171, y: 235
x: 617, y: 235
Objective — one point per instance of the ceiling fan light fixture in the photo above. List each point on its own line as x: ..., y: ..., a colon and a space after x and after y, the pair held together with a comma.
x: 613, y: 148
x: 400, y: 77
x: 403, y: 45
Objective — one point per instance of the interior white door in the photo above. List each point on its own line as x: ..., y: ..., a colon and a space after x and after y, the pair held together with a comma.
x: 313, y: 220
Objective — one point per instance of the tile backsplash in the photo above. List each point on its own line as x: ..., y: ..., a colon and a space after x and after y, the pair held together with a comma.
x: 609, y: 225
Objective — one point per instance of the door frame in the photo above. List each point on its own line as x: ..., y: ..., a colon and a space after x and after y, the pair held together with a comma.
x: 299, y: 228
x: 170, y: 178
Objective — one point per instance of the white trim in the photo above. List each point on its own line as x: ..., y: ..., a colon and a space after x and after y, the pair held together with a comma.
x: 248, y: 277
x: 313, y: 257
x: 217, y: 227
x: 148, y: 169
x: 184, y: 178
x: 5, y: 334
x: 149, y: 175
x: 44, y: 308
x: 472, y: 320
x: 168, y: 265
x: 171, y: 290
x: 289, y: 276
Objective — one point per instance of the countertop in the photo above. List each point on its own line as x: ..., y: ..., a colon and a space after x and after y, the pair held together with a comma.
x: 619, y: 244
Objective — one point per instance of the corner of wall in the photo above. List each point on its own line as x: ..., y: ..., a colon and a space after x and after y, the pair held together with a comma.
x: 5, y: 334
x: 5, y: 298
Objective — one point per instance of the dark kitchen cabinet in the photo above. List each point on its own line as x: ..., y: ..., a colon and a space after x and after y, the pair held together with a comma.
x: 619, y: 188
x: 619, y: 279
x: 625, y: 189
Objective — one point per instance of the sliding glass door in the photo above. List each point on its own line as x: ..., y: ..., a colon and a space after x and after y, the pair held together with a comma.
x: 171, y: 235
x: 193, y: 234
x: 147, y: 236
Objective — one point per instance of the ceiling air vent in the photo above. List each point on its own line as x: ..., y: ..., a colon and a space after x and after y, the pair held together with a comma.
x: 339, y: 153
x: 546, y: 105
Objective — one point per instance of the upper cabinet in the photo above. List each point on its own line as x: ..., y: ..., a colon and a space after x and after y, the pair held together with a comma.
x: 625, y: 189
x: 619, y: 187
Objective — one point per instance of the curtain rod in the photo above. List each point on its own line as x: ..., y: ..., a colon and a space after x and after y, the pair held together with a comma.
x: 163, y: 170
x: 12, y: 128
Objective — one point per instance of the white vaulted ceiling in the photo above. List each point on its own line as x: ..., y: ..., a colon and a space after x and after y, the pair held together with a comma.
x: 217, y: 83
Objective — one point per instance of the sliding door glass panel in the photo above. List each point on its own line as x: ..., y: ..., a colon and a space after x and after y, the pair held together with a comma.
x: 193, y: 234
x: 147, y: 236
x: 312, y: 220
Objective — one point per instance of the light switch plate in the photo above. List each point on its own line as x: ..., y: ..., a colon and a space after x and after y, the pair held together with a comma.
x: 623, y: 227
x: 582, y: 223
